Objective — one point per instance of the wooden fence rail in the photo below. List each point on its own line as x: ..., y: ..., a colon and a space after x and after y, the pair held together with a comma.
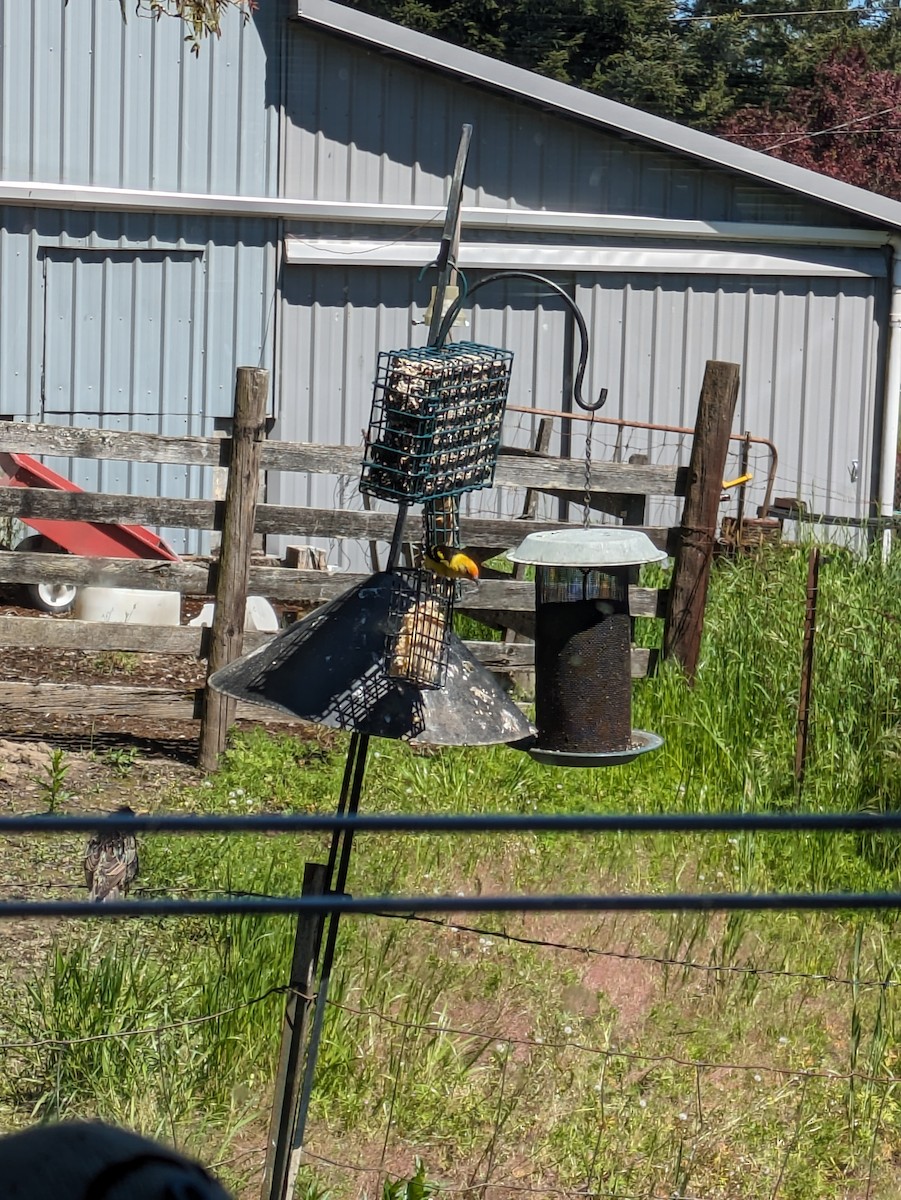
x: 270, y: 518
x: 513, y: 469
x: 504, y: 603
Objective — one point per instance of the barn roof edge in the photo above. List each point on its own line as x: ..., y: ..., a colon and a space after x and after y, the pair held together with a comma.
x: 574, y: 103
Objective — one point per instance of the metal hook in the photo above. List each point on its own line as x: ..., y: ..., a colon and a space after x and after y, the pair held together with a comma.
x: 452, y: 311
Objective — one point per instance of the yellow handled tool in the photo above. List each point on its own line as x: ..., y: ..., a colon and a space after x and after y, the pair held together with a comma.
x: 737, y: 482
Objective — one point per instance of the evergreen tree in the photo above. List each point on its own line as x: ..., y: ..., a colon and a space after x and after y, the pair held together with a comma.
x: 628, y: 50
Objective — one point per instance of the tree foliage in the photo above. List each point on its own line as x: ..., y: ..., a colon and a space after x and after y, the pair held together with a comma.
x: 847, y: 124
x: 202, y: 17
x: 627, y: 49
x: 773, y: 74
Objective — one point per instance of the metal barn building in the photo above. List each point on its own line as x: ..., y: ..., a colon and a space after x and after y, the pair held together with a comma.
x: 273, y: 201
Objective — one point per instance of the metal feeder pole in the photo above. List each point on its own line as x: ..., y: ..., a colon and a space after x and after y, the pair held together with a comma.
x: 351, y: 788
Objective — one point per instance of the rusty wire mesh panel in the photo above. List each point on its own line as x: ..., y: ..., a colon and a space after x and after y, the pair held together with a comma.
x: 435, y: 424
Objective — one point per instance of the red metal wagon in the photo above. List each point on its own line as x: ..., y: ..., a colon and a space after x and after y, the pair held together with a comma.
x: 85, y: 538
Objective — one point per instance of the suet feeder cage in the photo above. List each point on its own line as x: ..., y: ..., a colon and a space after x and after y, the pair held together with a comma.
x: 435, y: 424
x: 420, y: 617
x: 583, y: 644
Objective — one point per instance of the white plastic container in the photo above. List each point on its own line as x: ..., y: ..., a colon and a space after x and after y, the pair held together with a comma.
x: 259, y: 615
x: 133, y: 606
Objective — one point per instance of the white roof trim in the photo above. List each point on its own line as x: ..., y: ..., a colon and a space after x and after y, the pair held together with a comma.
x: 571, y: 102
x: 361, y: 252
x: 73, y: 196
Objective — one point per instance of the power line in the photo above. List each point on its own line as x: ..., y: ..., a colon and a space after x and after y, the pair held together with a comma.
x: 845, y: 132
x: 741, y: 15
x: 832, y: 129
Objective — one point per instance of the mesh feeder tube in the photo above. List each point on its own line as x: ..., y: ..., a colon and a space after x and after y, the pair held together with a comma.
x: 583, y: 644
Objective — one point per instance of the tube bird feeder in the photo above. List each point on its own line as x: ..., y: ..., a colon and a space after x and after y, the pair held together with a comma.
x: 583, y: 644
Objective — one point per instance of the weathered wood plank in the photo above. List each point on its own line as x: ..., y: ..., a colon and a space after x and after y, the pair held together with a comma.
x: 162, y: 704
x: 51, y: 633
x: 281, y: 583
x: 697, y: 533
x: 513, y: 470
x: 28, y: 437
x: 97, y: 637
x: 131, y: 510
x: 158, y: 704
x: 270, y: 518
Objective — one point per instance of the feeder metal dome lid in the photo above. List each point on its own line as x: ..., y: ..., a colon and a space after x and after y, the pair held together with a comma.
x: 598, y: 547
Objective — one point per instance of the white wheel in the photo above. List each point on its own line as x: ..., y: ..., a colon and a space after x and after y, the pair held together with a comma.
x: 48, y: 597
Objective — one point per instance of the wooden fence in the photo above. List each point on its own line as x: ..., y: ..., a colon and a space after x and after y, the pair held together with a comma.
x: 506, y: 603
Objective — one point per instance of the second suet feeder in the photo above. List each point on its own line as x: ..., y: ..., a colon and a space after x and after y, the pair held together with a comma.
x: 583, y: 644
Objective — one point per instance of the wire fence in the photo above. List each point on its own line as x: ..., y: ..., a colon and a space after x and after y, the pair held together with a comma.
x: 608, y: 1085
x: 609, y: 1079
x: 863, y: 983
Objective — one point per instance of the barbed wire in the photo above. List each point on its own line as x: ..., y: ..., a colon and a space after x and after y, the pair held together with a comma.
x: 655, y: 959
x: 743, y: 969
x: 148, y: 1030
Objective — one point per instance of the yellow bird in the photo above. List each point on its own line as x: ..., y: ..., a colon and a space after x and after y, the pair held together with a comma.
x: 451, y: 563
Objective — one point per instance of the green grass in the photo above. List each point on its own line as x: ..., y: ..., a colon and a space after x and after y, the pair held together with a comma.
x: 545, y: 1067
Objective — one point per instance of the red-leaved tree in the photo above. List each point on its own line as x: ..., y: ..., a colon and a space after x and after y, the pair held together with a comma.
x: 846, y: 124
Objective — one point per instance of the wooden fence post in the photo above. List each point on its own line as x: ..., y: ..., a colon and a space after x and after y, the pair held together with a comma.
x: 307, y: 938
x: 694, y: 552
x: 227, y: 633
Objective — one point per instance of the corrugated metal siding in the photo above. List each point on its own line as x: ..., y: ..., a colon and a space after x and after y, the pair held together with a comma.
x: 131, y: 107
x: 809, y: 356
x: 131, y: 320
x: 808, y: 351
x: 110, y: 333
x: 89, y: 100
x: 369, y: 128
x: 364, y: 127
x: 334, y: 322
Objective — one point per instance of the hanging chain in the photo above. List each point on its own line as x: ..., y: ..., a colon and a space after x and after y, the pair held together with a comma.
x: 586, y: 514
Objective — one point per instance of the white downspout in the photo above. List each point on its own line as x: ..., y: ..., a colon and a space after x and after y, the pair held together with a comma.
x: 892, y: 402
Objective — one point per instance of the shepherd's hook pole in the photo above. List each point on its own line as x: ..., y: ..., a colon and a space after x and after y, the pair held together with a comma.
x: 355, y: 769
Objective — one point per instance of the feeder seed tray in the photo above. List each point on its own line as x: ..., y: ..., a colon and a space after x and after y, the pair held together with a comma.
x: 640, y: 743
x: 435, y: 424
x: 420, y: 616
